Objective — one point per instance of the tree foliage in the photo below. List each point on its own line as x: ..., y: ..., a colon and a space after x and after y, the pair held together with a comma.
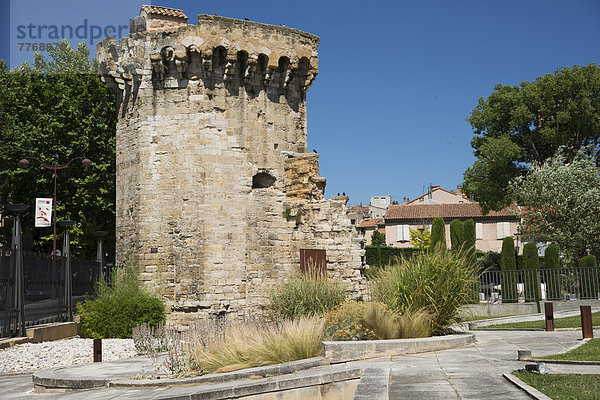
x: 456, y: 234
x: 438, y: 233
x: 377, y: 238
x: 469, y: 237
x: 519, y: 126
x: 588, y: 261
x: 509, y: 263
x: 59, y: 106
x: 530, y: 256
x: 562, y: 203
x: 551, y: 257
x: 418, y: 238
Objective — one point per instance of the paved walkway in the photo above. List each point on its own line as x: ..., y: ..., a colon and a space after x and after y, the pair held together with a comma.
x: 472, y: 372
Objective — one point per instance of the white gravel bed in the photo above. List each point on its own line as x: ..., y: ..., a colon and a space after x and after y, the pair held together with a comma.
x: 35, y: 356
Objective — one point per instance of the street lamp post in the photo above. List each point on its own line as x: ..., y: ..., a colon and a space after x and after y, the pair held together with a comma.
x: 54, y: 167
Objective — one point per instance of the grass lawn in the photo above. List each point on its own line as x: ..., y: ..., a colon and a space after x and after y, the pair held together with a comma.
x: 469, y: 318
x: 569, y: 322
x: 563, y: 387
x: 589, y: 351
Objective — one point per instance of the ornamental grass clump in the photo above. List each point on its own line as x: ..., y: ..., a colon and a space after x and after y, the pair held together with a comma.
x: 306, y: 295
x: 246, y: 345
x: 386, y: 324
x: 437, y: 282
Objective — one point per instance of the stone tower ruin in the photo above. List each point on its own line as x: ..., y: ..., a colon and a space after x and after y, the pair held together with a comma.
x: 216, y: 193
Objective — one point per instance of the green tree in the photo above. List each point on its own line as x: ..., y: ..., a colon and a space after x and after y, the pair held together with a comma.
x: 377, y: 238
x: 509, y: 264
x: 552, y: 261
x: 469, y: 238
x: 438, y: 233
x: 561, y: 200
x: 519, y: 126
x: 532, y: 261
x: 588, y: 261
x: 418, y: 238
x: 551, y: 257
x: 456, y: 234
x: 59, y: 106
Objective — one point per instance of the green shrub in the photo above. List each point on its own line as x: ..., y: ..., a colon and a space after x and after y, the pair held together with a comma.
x: 385, y: 255
x: 386, y: 324
x: 551, y: 258
x: 532, y: 261
x: 509, y: 263
x: 345, y: 322
x: 377, y: 238
x: 439, y: 282
x: 119, y: 307
x: 456, y: 234
x: 303, y: 295
x: 469, y: 237
x: 588, y: 261
x: 438, y: 233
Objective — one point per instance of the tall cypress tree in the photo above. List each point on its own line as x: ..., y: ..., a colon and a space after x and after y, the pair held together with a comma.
x: 456, y: 234
x: 469, y: 237
x: 531, y: 261
x: 509, y: 264
x: 553, y: 283
x: 438, y: 233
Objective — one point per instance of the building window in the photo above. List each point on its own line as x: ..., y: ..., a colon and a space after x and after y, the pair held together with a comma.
x: 402, y: 233
x: 502, y: 230
x: 479, y: 231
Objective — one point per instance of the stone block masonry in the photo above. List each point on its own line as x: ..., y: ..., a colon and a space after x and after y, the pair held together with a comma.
x: 211, y: 152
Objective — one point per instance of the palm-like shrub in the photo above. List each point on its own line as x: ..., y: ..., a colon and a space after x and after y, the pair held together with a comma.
x: 439, y: 282
x: 306, y: 295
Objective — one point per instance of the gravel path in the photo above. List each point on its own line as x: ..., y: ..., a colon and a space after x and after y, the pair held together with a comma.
x: 34, y: 356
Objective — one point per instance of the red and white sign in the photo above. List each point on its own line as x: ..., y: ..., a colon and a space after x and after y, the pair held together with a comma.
x: 43, y: 212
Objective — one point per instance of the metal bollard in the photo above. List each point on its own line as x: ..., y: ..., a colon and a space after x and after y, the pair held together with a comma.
x: 549, y: 311
x: 586, y: 322
x: 97, y: 350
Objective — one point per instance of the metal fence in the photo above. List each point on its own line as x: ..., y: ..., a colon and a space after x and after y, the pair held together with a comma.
x: 537, y: 285
x: 45, y: 293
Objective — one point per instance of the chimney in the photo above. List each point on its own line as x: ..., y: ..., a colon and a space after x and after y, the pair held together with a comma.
x: 404, y: 199
x: 458, y: 192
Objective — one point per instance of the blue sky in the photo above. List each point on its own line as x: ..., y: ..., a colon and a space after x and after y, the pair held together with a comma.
x: 396, y: 79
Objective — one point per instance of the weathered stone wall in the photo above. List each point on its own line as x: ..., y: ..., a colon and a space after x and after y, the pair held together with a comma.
x: 211, y: 143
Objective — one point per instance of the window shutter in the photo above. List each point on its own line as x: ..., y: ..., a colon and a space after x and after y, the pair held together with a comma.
x: 479, y: 230
x: 400, y: 233
x: 499, y: 230
x: 406, y: 233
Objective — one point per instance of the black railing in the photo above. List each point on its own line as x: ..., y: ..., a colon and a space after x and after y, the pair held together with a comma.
x: 535, y: 285
x: 44, y: 289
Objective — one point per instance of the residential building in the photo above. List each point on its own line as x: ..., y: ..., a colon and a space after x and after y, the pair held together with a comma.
x: 367, y: 227
x: 378, y: 205
x: 490, y: 229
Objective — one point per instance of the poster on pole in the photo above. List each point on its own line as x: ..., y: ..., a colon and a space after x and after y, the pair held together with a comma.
x: 43, y: 212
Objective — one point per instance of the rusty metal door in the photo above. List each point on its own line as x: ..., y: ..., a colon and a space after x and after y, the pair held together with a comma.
x: 313, y: 262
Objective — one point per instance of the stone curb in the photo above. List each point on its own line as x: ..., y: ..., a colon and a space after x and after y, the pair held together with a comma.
x: 256, y: 372
x: 228, y: 390
x: 341, y: 351
x: 571, y: 362
x: 530, y: 390
x: 373, y: 384
x: 48, y: 378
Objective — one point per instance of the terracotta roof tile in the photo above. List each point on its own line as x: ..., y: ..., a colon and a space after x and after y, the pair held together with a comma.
x: 371, y: 223
x: 456, y: 210
x: 158, y: 10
